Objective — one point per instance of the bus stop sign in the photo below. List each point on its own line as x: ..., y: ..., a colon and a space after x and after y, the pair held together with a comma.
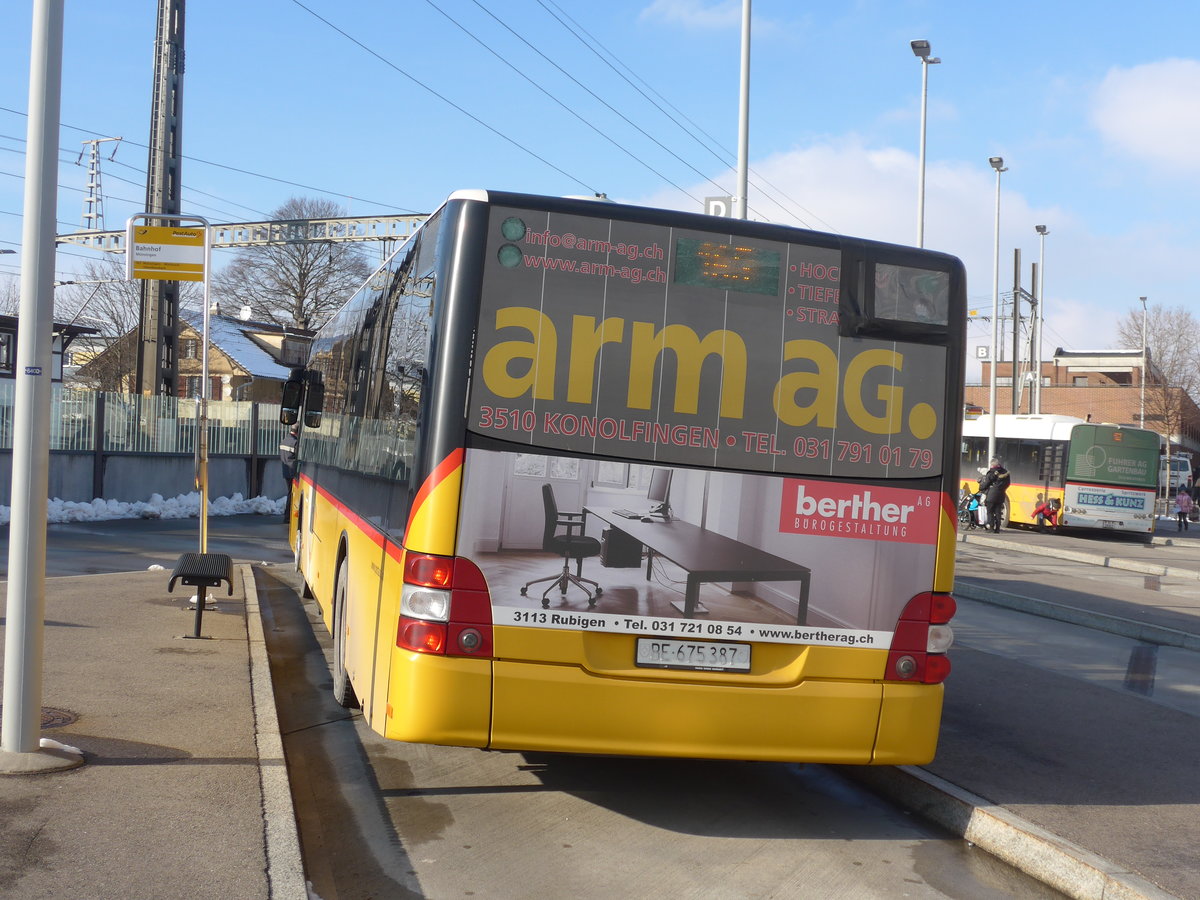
x: 167, y: 253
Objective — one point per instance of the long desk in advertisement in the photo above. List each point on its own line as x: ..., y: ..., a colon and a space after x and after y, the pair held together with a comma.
x: 706, y: 556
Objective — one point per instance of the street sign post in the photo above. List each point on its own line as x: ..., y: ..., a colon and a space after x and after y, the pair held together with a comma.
x: 178, y: 253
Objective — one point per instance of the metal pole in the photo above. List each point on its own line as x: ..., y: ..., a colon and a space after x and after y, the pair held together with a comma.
x: 1042, y: 231
x: 997, y: 163
x: 1016, y: 332
x: 921, y: 50
x: 26, y: 608
x: 205, y: 389
x: 1035, y: 302
x: 1142, y: 378
x: 921, y: 163
x: 744, y: 118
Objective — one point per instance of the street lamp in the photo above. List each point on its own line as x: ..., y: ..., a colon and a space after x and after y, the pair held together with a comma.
x: 921, y: 50
x: 1042, y: 231
x: 997, y: 163
x: 1142, y: 379
x: 743, y: 172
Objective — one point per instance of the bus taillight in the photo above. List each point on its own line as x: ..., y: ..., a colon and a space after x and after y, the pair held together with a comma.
x: 922, y: 637
x: 428, y: 571
x: 445, y: 607
x: 423, y: 637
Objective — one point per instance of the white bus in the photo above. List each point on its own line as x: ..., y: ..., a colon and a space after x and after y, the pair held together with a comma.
x: 1175, y: 471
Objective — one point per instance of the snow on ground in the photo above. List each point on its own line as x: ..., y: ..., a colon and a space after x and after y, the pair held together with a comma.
x: 183, y: 506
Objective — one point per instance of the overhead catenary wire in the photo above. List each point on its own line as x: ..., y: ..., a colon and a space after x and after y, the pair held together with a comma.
x: 721, y: 154
x: 461, y: 109
x: 239, y: 171
x: 589, y: 91
x: 387, y: 62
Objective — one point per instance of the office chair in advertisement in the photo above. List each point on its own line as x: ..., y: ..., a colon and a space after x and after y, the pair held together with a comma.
x: 571, y: 544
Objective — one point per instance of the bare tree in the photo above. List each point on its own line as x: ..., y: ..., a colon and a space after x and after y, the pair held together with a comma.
x: 1172, y: 373
x: 10, y: 296
x: 101, y: 298
x: 300, y: 284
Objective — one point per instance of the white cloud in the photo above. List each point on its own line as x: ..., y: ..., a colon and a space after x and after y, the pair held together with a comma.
x: 696, y: 13
x: 1152, y: 112
x: 845, y: 186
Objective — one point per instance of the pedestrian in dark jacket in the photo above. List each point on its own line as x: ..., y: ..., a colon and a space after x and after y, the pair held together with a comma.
x: 994, y: 486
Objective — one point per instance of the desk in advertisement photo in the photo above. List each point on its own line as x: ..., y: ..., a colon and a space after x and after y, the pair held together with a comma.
x: 706, y: 556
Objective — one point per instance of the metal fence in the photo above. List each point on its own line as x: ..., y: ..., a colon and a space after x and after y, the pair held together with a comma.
x: 107, y: 422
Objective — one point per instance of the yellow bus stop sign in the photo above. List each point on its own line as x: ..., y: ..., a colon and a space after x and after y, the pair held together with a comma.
x: 167, y: 253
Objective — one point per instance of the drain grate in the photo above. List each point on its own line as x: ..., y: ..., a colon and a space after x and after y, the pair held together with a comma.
x: 54, y: 718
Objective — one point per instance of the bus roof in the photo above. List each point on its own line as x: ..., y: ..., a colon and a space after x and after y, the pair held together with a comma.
x: 1032, y: 427
x: 1039, y: 427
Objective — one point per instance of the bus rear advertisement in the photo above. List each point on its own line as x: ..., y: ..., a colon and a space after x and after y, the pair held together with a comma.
x: 703, y: 509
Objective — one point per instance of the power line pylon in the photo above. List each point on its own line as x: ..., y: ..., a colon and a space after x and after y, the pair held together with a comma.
x: 93, y: 203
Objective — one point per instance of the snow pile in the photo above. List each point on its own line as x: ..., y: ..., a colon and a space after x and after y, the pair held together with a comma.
x: 182, y: 506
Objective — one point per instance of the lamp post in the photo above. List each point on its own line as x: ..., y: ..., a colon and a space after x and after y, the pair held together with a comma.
x: 743, y: 173
x: 1142, y: 378
x: 1042, y: 231
x: 921, y: 50
x: 997, y: 163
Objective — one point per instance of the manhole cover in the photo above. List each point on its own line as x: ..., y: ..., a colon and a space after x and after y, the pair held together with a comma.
x: 57, y: 718
x: 54, y: 718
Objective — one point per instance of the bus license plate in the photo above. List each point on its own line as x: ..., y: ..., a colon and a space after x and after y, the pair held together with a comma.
x: 704, y: 656
x: 1109, y: 523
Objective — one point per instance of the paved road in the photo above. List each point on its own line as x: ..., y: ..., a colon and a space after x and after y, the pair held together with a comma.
x: 388, y: 819
x: 128, y: 545
x: 1108, y: 761
x: 1087, y: 727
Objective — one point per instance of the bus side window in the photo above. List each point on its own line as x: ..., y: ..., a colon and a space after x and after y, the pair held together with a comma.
x: 402, y: 366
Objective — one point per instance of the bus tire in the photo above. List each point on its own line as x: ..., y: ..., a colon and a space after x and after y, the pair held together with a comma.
x: 299, y: 536
x: 305, y: 591
x: 343, y: 690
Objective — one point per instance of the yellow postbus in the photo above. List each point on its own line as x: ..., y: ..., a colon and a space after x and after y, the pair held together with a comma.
x: 584, y: 477
x: 1096, y: 476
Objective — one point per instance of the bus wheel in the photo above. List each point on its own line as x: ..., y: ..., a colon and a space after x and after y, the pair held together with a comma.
x: 299, y: 536
x: 343, y: 691
x: 305, y: 590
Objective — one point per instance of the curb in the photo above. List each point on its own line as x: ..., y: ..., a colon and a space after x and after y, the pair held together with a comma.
x: 281, y: 836
x: 1127, y: 565
x: 1129, y: 628
x: 1062, y: 865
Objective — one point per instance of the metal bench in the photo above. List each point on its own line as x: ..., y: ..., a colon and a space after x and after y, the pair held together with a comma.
x: 202, y: 571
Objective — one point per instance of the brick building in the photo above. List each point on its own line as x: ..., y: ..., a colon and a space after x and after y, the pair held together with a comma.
x: 1105, y: 385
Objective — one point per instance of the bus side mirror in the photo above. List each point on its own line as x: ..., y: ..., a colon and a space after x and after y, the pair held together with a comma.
x: 314, y: 403
x: 291, y: 399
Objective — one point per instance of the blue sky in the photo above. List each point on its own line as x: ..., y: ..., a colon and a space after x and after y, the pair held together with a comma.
x: 1095, y: 108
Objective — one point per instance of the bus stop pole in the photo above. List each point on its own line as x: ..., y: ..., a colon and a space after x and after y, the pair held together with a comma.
x: 20, y: 728
x: 205, y: 390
